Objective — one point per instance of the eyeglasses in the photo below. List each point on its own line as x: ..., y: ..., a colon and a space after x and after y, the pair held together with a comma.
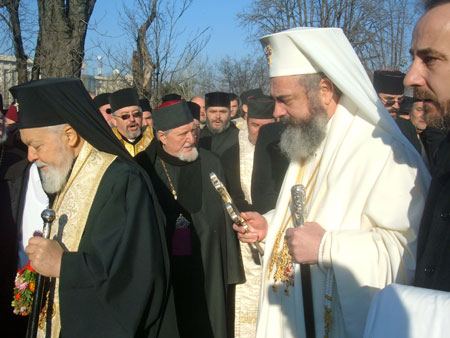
x: 135, y: 114
x: 390, y: 101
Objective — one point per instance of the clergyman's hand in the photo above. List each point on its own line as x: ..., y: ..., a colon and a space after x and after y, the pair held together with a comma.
x: 45, y: 256
x: 257, y: 225
x: 304, y: 242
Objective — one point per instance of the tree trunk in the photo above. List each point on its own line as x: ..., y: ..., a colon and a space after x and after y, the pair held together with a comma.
x: 19, y: 52
x: 62, y: 33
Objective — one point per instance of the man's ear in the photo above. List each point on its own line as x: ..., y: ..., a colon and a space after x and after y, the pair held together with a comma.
x: 326, y: 88
x: 71, y: 137
x: 113, y: 120
x: 162, y: 137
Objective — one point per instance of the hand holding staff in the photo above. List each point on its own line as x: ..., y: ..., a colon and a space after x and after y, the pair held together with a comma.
x: 48, y: 216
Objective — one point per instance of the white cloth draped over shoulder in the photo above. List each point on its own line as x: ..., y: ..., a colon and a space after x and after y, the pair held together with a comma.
x: 369, y: 196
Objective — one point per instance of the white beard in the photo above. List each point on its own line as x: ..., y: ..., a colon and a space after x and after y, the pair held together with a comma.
x: 55, y: 178
x: 188, y: 157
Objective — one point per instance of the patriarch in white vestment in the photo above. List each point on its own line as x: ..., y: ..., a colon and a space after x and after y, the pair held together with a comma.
x: 365, y: 190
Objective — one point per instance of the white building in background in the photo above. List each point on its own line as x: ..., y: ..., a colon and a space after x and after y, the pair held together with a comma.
x: 95, y: 84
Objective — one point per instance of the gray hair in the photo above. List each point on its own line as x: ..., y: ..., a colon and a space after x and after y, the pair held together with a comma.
x: 311, y: 82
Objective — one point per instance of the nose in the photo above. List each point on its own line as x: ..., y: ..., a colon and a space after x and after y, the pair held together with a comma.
x: 131, y: 118
x: 32, y: 155
x: 414, y: 77
x: 191, y: 136
x: 279, y: 110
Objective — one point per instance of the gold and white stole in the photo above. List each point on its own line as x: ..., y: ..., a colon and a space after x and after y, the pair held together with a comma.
x: 72, y: 206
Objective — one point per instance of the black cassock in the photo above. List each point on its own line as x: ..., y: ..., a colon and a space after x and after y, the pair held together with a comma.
x: 219, y: 143
x: 205, y: 256
x: 115, y: 284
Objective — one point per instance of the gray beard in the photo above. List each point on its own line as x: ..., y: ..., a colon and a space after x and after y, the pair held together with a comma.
x: 188, y: 157
x: 302, y: 138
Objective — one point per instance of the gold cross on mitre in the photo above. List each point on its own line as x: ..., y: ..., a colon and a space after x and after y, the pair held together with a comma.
x: 268, y: 51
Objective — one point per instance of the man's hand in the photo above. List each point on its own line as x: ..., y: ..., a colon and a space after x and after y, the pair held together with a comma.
x: 45, y: 256
x: 303, y: 242
x: 257, y: 225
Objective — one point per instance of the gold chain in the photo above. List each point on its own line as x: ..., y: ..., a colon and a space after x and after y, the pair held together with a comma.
x: 174, y: 193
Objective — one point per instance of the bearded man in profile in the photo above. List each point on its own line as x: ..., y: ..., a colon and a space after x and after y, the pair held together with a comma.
x: 106, y: 252
x: 364, y: 192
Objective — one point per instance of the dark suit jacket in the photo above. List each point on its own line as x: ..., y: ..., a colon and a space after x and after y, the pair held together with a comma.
x: 433, y: 251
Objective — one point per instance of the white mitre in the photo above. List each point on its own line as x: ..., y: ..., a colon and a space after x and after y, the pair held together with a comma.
x: 306, y: 50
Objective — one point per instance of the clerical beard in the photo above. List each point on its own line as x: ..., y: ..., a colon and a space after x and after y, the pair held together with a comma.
x: 302, y: 138
x: 214, y: 130
x: 188, y: 157
x: 54, y: 177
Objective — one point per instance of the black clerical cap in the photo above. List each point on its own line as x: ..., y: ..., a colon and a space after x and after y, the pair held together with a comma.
x: 145, y: 105
x: 195, y: 110
x: 217, y: 99
x: 388, y: 82
x: 102, y: 99
x: 50, y: 102
x: 260, y: 107
x: 171, y: 97
x: 123, y: 98
x: 171, y: 114
x: 249, y: 93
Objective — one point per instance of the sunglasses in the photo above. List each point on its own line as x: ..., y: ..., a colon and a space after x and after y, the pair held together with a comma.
x: 135, y: 114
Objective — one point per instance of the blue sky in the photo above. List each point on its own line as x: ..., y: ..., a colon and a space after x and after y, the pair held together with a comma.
x: 227, y: 38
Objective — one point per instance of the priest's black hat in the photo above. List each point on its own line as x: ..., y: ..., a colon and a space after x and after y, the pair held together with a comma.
x: 217, y: 99
x: 123, y: 98
x: 50, y: 102
x: 195, y: 110
x: 171, y: 97
x: 249, y: 93
x: 260, y: 107
x: 102, y: 99
x: 389, y: 82
x: 145, y: 105
x: 171, y: 114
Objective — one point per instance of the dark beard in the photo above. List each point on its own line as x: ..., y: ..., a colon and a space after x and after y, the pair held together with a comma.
x: 441, y: 120
x: 302, y: 138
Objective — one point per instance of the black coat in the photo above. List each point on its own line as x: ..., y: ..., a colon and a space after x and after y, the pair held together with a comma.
x: 269, y: 167
x: 409, y: 131
x: 219, y: 143
x: 433, y: 251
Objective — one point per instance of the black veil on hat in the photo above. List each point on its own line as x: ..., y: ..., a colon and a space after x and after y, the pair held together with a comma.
x: 102, y: 99
x: 389, y: 82
x: 195, y: 110
x: 50, y: 102
x: 171, y: 97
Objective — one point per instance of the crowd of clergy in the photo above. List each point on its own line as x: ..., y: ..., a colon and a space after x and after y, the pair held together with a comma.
x: 330, y: 218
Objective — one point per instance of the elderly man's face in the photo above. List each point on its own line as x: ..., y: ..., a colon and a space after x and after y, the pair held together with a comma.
x: 201, y: 102
x: 180, y: 142
x: 430, y: 49
x: 128, y: 121
x: 217, y: 118
x: 52, y: 155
